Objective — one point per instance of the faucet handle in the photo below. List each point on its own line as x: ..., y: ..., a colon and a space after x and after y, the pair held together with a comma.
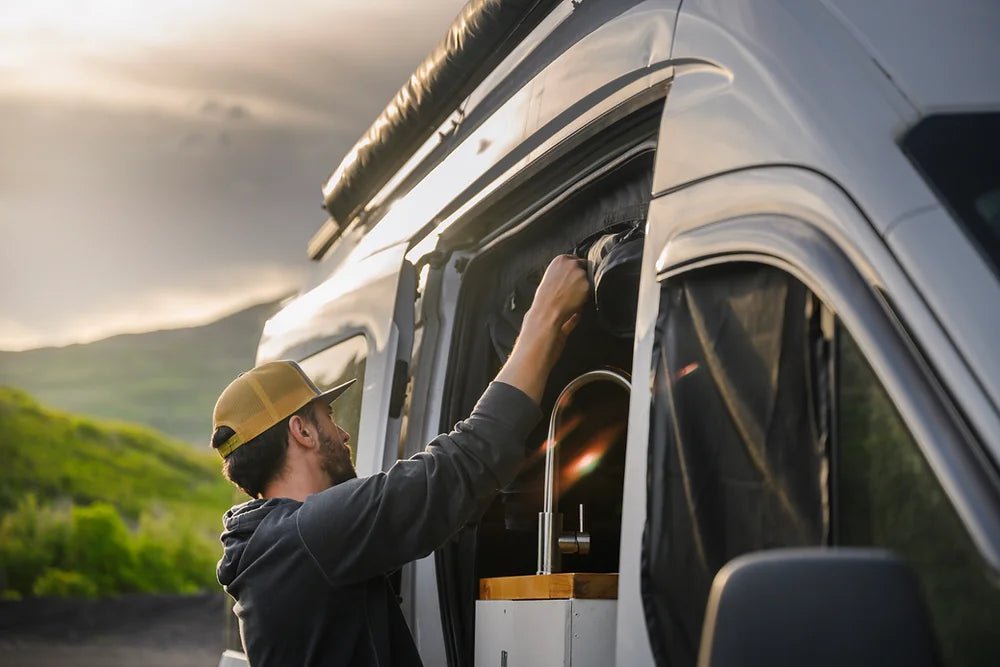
x: 582, y: 537
x: 575, y: 542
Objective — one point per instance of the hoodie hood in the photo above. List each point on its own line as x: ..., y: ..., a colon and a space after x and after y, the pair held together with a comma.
x: 240, y: 523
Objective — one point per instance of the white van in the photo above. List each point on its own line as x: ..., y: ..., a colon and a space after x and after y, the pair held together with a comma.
x: 803, y: 295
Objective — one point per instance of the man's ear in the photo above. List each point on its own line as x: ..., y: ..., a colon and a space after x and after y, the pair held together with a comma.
x: 302, y: 431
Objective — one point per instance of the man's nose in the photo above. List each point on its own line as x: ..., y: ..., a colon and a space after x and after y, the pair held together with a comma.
x: 344, y: 435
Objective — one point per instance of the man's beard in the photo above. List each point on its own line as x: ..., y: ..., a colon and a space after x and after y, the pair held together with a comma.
x: 336, y: 460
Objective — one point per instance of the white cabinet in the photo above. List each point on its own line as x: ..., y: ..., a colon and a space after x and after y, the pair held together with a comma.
x: 538, y: 633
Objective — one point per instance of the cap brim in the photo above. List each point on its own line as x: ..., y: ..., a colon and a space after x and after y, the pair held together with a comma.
x: 330, y: 395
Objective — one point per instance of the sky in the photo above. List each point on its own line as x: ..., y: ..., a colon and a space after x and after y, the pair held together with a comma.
x: 161, y: 163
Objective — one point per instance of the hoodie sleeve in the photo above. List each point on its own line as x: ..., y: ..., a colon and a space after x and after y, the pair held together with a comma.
x: 365, y: 527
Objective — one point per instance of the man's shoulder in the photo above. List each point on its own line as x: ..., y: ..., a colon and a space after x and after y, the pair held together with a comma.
x: 258, y: 518
x: 254, y: 534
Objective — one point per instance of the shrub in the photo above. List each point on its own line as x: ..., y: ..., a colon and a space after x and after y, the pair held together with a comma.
x: 155, y: 568
x: 100, y: 548
x: 64, y: 583
x: 32, y: 538
x: 117, y: 474
x: 89, y: 551
x: 196, y: 559
x: 172, y: 556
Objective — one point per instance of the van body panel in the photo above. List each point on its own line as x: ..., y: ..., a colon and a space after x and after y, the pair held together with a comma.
x: 789, y: 85
x: 339, y: 306
x: 422, y: 610
x: 965, y: 295
x: 941, y: 55
x: 615, y: 50
x: 802, y: 84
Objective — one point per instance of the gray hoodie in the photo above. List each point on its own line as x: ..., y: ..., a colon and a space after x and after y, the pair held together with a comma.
x: 309, y: 578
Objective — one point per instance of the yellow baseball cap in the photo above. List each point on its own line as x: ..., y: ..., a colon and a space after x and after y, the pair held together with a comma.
x: 263, y: 396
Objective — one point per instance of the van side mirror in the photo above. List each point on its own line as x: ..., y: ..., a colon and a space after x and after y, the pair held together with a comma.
x: 816, y: 607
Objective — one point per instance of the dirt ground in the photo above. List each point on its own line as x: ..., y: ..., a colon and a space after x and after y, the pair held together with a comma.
x: 139, y: 630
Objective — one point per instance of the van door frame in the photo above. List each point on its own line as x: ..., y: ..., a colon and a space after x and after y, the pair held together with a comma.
x: 591, y: 161
x: 419, y: 587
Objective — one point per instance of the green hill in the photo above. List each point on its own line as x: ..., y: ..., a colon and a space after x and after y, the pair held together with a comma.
x: 95, y: 508
x: 167, y: 380
x: 57, y: 456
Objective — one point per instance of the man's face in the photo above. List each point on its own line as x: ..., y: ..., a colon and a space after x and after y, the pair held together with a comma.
x: 335, y: 455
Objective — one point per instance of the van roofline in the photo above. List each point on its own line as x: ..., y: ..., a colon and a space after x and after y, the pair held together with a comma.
x: 482, y: 35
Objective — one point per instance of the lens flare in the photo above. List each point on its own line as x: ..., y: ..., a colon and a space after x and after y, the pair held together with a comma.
x: 590, y: 457
x: 686, y: 370
x: 585, y: 463
x: 564, y: 430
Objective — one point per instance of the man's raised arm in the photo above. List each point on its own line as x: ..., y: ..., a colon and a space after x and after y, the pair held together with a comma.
x: 362, y: 527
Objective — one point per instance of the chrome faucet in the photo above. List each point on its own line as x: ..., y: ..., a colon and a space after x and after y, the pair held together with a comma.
x: 552, y: 541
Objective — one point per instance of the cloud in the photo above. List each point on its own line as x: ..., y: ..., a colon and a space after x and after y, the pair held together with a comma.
x: 161, y: 308
x: 311, y: 63
x: 16, y: 335
x: 212, y: 108
x: 178, y: 152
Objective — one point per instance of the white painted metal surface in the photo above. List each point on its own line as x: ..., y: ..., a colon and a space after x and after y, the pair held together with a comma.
x: 526, y: 633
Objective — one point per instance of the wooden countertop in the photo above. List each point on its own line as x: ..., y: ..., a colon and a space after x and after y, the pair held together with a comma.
x: 559, y: 586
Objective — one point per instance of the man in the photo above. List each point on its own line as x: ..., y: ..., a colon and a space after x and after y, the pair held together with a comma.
x: 306, y: 560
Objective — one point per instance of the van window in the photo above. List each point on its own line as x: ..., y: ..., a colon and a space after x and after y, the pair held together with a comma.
x: 888, y: 497
x: 959, y: 155
x: 742, y: 458
x: 335, y: 365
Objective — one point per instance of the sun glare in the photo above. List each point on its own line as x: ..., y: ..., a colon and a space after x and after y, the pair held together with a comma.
x: 55, y: 48
x: 94, y: 23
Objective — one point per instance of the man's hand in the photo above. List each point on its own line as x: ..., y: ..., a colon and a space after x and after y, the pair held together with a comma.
x: 554, y: 313
x: 555, y: 310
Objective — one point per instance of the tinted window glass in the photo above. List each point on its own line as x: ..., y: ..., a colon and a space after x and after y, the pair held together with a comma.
x: 959, y: 154
x: 338, y: 364
x: 888, y: 497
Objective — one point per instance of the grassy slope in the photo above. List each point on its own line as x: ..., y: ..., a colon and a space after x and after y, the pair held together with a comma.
x: 55, y: 456
x: 167, y: 380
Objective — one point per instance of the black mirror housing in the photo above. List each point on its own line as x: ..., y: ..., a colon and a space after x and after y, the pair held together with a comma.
x: 816, y: 608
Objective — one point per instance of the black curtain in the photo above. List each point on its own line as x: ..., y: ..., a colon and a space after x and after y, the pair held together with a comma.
x: 737, y: 456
